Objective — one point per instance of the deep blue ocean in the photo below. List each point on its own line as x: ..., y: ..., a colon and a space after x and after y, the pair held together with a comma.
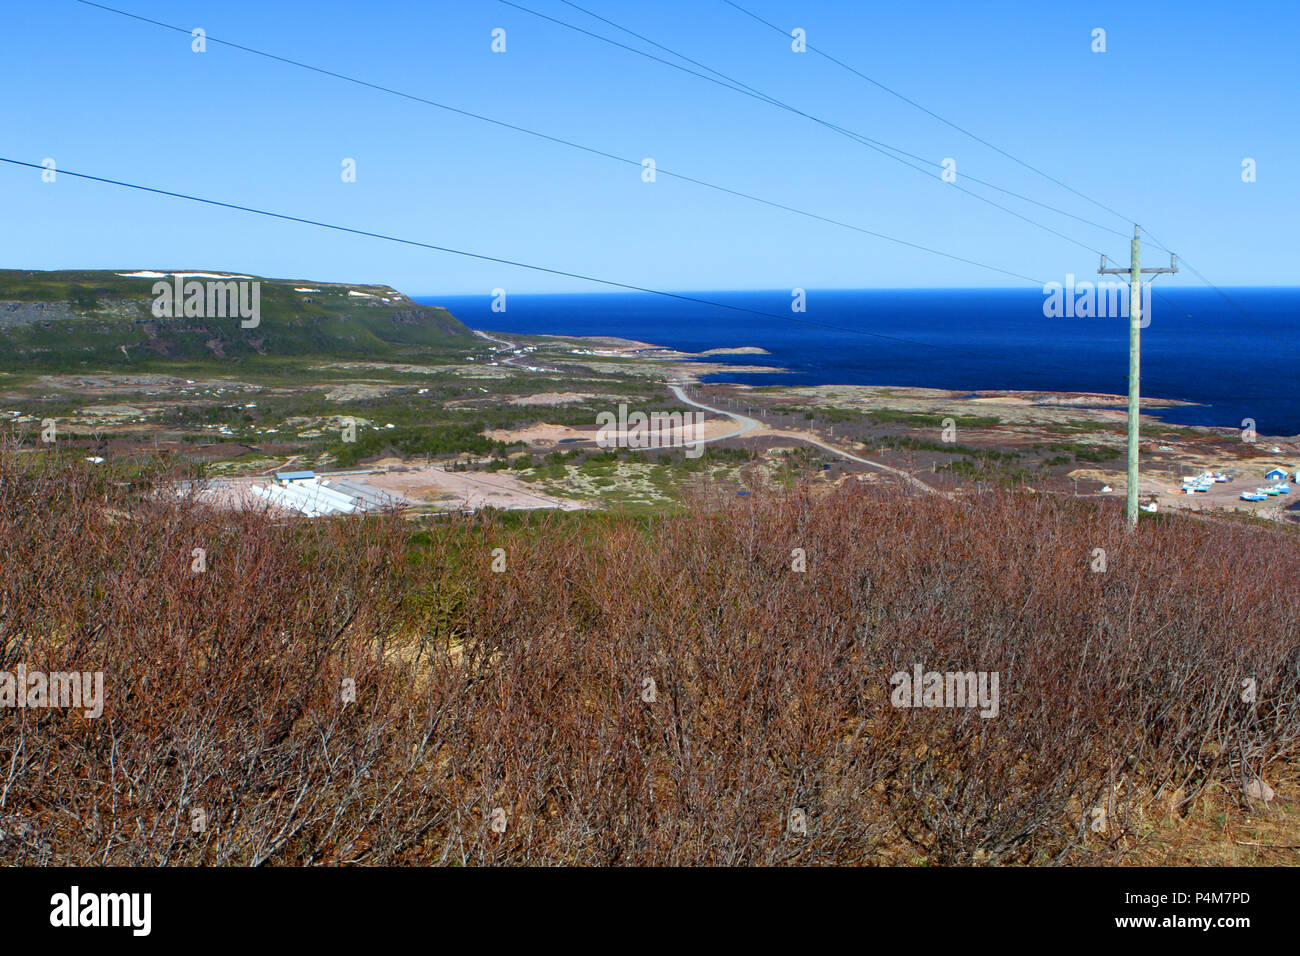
x: 1237, y: 357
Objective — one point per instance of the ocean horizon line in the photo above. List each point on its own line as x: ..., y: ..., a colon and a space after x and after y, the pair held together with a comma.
x: 1231, y: 352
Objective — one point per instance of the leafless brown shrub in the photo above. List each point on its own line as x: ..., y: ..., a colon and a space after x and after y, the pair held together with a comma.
x: 626, y: 692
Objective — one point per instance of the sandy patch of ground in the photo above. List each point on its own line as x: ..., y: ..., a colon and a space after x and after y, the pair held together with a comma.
x: 544, y: 434
x: 385, y: 366
x: 553, y: 398
x: 455, y: 490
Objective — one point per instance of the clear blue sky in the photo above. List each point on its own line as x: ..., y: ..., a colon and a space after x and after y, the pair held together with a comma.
x: 1212, y: 83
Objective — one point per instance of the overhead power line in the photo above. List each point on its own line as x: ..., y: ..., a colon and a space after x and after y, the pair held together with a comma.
x: 721, y: 79
x: 864, y: 139
x: 730, y: 82
x: 998, y: 149
x: 740, y: 86
x: 508, y: 262
x: 521, y: 265
x: 931, y: 113
x: 1264, y: 327
x: 613, y: 156
x: 984, y: 142
x: 726, y: 81
x: 591, y: 150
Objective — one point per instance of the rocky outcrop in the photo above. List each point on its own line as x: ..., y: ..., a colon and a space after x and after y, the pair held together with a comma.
x: 28, y: 313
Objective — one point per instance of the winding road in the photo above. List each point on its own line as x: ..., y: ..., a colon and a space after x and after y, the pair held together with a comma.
x: 749, y: 424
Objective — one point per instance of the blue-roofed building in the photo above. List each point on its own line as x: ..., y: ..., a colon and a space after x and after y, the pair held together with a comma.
x: 294, y: 475
x: 1277, y: 474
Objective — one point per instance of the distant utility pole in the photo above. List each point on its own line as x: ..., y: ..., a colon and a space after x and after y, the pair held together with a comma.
x: 1135, y: 272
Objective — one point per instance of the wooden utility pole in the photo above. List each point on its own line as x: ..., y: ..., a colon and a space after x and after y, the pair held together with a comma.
x: 1135, y: 272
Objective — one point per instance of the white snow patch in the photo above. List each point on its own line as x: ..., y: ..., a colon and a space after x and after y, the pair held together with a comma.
x: 183, y: 275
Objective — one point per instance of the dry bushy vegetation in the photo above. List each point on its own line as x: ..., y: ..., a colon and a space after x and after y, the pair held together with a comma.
x: 525, y: 690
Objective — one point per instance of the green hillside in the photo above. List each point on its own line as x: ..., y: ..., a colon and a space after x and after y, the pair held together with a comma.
x: 66, y: 320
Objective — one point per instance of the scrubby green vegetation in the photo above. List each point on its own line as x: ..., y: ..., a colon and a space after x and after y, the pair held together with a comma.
x: 1082, y: 452
x: 103, y: 321
x: 634, y: 479
x: 414, y: 442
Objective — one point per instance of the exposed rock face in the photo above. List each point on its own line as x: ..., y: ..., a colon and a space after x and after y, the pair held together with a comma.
x: 19, y: 312
x: 435, y: 318
x: 26, y: 313
x: 417, y: 316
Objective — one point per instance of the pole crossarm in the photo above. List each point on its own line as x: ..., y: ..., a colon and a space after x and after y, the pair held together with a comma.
x: 1123, y: 271
x: 1135, y: 273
